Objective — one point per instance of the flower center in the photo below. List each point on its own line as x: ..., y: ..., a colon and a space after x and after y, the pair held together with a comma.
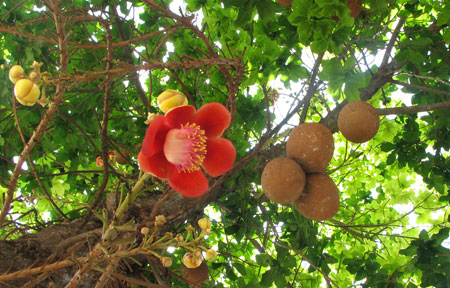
x: 186, y: 147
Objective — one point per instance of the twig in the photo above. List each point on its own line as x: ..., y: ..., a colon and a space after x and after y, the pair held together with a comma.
x: 414, y: 109
x: 312, y: 87
x: 424, y: 88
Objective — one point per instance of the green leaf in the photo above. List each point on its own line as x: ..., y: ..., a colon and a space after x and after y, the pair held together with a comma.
x: 240, y: 268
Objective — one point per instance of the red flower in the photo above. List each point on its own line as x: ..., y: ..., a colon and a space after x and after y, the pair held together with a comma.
x: 178, y: 143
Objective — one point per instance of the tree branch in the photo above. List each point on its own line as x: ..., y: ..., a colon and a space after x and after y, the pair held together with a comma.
x: 414, y: 109
x: 423, y: 88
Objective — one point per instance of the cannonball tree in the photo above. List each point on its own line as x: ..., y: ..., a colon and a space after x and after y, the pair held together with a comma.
x: 132, y: 149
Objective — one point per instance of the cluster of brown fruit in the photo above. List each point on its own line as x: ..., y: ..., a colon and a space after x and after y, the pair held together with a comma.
x: 300, y: 177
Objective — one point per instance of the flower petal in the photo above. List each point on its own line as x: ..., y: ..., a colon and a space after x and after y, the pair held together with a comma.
x: 213, y: 118
x: 155, y: 136
x: 156, y: 164
x: 190, y: 185
x: 220, y: 156
x: 180, y: 115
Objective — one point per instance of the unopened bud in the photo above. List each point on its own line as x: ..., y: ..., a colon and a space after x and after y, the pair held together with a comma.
x: 145, y: 230
x: 26, y: 92
x: 179, y: 238
x: 150, y: 117
x: 204, y: 224
x: 210, y: 254
x: 34, y: 76
x: 16, y: 73
x: 191, y: 261
x: 160, y: 220
x: 166, y: 261
x: 170, y: 99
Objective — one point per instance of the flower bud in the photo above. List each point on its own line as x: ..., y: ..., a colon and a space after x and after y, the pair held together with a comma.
x: 150, y: 117
x: 27, y: 93
x: 145, y: 230
x: 34, y: 76
x: 166, y: 261
x: 160, y: 220
x: 204, y: 224
x: 99, y: 162
x: 170, y: 99
x: 210, y: 254
x: 16, y: 73
x: 179, y: 238
x: 191, y: 261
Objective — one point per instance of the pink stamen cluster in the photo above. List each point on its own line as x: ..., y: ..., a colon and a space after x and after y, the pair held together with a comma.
x: 186, y: 147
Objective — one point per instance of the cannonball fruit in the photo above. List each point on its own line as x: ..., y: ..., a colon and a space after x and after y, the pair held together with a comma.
x: 283, y: 180
x: 312, y: 145
x: 358, y: 121
x: 320, y: 200
x: 196, y: 275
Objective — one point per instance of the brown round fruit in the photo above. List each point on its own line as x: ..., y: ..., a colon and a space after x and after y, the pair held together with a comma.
x: 312, y: 145
x: 358, y: 121
x: 285, y: 3
x: 320, y: 201
x: 283, y: 180
x: 196, y: 275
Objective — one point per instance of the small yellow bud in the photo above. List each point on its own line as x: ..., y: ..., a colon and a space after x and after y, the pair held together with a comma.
x: 34, y: 76
x: 170, y: 99
x: 191, y: 261
x: 179, y: 238
x: 166, y: 261
x: 160, y: 220
x: 145, y: 230
x: 150, y: 117
x: 190, y: 228
x: 16, y: 73
x: 26, y: 92
x: 210, y: 254
x: 204, y: 224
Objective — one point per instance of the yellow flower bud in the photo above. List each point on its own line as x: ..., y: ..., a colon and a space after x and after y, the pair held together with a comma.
x: 16, y: 73
x: 166, y: 261
x: 170, y: 99
x: 210, y: 254
x: 26, y: 92
x: 204, y: 224
x: 191, y: 260
x: 34, y: 76
x: 145, y: 230
x: 160, y: 220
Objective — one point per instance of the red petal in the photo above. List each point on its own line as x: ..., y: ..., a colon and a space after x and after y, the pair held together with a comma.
x: 155, y: 136
x: 213, y: 118
x: 190, y: 185
x: 180, y: 115
x: 156, y: 164
x: 220, y: 156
